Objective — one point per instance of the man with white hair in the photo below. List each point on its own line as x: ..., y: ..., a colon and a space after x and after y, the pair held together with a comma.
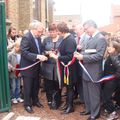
x: 30, y: 54
x: 81, y: 39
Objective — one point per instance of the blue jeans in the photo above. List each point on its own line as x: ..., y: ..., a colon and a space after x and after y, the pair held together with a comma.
x: 15, y: 87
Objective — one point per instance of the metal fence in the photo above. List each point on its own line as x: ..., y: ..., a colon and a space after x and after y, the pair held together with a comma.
x: 5, y: 103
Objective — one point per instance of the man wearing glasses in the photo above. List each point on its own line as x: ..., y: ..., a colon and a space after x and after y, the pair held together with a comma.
x: 92, y: 60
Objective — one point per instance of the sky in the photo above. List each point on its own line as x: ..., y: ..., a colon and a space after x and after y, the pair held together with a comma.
x: 97, y: 10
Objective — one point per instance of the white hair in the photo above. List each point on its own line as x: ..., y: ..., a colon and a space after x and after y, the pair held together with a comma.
x: 90, y: 23
x: 35, y: 24
x: 79, y: 26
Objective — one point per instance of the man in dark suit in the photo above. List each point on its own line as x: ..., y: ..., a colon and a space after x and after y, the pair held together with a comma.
x: 92, y: 58
x: 31, y: 53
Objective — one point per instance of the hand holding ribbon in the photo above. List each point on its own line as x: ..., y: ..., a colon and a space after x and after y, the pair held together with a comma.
x: 42, y: 57
x: 78, y: 55
x: 53, y: 55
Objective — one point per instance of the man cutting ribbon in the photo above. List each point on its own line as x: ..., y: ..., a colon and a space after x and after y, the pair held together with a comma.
x: 92, y: 60
x: 30, y: 56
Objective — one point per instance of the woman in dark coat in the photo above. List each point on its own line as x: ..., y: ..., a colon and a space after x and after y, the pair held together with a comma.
x: 68, y: 73
x: 50, y: 44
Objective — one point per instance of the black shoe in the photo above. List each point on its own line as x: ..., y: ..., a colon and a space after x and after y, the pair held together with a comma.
x: 64, y: 95
x: 68, y: 110
x: 84, y: 113
x: 38, y: 104
x: 63, y: 107
x: 49, y: 104
x: 117, y: 107
x: 29, y: 109
x: 78, y: 102
x: 90, y: 118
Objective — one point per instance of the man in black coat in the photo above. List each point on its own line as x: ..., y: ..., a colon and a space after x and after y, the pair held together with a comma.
x: 30, y: 53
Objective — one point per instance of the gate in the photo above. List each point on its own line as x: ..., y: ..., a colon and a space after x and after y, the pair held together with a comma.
x: 5, y: 104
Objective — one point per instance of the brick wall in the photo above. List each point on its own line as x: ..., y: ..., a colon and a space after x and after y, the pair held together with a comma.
x: 69, y: 19
x: 13, y: 12
x: 115, y: 20
x: 42, y: 12
x: 25, y: 13
x: 50, y: 10
x: 21, y: 12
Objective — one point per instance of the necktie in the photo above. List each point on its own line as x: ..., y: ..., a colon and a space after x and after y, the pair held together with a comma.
x: 88, y: 41
x: 37, y: 44
x: 78, y: 40
x: 90, y: 38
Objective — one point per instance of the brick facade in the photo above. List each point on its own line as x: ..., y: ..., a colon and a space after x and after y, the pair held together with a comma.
x: 21, y: 12
x: 25, y: 13
x: 69, y: 19
x: 13, y: 12
x: 50, y: 10
x: 115, y: 20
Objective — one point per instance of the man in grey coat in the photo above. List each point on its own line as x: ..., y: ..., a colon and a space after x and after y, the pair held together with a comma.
x: 92, y: 58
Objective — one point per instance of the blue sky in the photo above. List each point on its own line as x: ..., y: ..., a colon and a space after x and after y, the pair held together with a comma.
x: 98, y: 10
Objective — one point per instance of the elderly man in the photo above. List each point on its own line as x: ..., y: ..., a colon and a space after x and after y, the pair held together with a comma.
x: 31, y: 53
x: 92, y: 59
x: 81, y: 39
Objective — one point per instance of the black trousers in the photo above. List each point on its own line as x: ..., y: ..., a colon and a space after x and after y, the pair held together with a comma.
x: 31, y: 90
x: 108, y: 89
x: 51, y: 86
x: 70, y: 95
x: 78, y: 89
x: 117, y: 94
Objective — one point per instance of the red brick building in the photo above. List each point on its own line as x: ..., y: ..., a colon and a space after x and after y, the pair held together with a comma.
x: 21, y: 12
x: 115, y: 20
x: 69, y: 19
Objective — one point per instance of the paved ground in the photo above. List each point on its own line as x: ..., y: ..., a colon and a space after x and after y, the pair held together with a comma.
x: 45, y: 113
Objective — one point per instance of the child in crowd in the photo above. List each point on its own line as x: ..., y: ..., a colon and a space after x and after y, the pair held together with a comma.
x: 15, y: 77
x: 112, y: 66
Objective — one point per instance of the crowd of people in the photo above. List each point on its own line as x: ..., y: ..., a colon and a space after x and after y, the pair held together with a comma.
x: 73, y: 60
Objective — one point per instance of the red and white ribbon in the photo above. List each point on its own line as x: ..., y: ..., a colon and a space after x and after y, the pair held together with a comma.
x: 66, y: 70
x: 59, y: 73
x: 25, y: 68
x: 105, y: 78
